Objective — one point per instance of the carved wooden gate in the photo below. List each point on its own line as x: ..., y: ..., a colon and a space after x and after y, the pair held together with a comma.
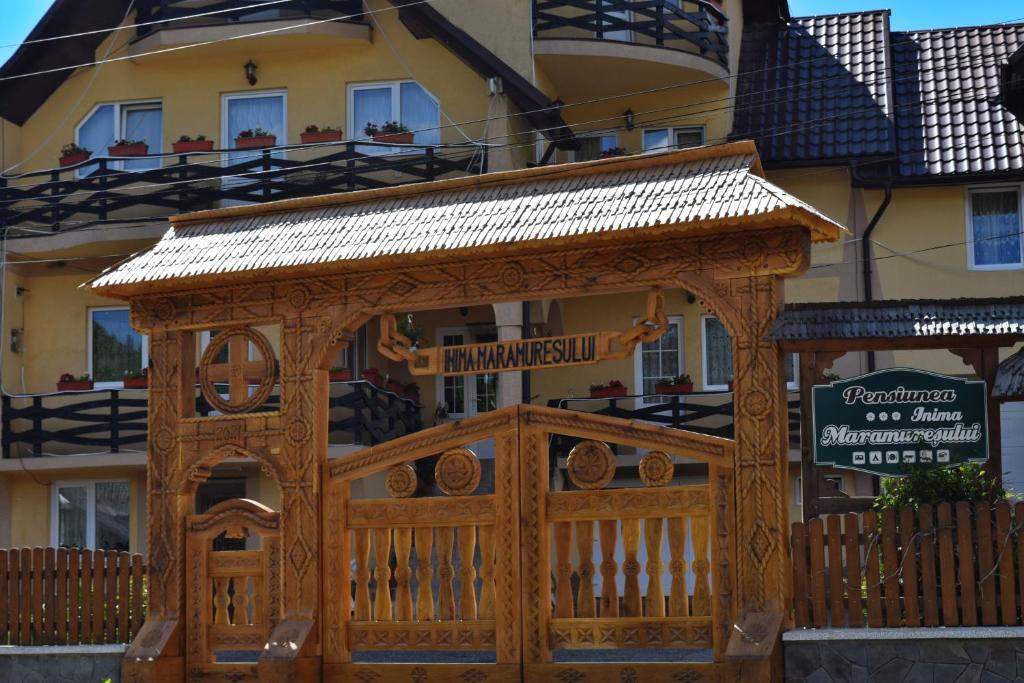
x: 233, y: 596
x: 443, y: 566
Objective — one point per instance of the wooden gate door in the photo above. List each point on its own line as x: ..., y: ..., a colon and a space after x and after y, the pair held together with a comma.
x: 440, y: 566
x: 233, y: 596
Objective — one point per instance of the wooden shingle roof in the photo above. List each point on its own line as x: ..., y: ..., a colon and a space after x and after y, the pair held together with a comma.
x: 708, y: 189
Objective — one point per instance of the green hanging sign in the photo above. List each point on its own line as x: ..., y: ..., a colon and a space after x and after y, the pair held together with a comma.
x: 894, y: 421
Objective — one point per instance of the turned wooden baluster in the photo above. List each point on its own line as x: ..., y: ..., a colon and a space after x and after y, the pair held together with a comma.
x: 631, y: 606
x: 679, y: 597
x: 221, y: 601
x: 240, y: 601
x: 424, y: 575
x: 362, y: 551
x: 403, y: 575
x: 585, y: 605
x: 608, y: 531
x: 382, y: 554
x: 467, y: 573
x: 256, y: 600
x: 563, y: 570
x: 655, y: 604
x: 701, y: 566
x: 445, y: 573
x: 486, y: 541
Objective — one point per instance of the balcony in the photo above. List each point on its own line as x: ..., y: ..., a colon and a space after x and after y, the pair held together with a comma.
x: 100, y: 191
x: 642, y: 43
x: 227, y: 26
x: 114, y: 421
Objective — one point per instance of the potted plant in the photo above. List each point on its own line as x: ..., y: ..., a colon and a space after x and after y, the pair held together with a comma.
x: 254, y: 139
x: 392, y: 132
x: 677, y: 385
x: 136, y: 379
x: 186, y: 144
x: 827, y: 377
x: 395, y: 387
x: 69, y: 382
x: 612, y: 389
x: 614, y: 152
x: 128, y: 148
x: 340, y: 374
x: 71, y: 154
x: 412, y: 392
x: 314, y: 133
x: 373, y: 376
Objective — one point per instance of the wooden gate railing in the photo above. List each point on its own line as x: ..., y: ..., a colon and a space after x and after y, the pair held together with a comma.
x: 233, y: 596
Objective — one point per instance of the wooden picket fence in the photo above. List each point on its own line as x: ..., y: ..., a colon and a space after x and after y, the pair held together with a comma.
x: 66, y: 596
x: 946, y: 565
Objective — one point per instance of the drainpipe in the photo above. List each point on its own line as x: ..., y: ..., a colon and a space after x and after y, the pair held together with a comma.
x: 866, y: 256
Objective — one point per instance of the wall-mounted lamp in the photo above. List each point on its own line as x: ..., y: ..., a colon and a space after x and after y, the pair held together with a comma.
x: 628, y: 116
x: 250, y: 72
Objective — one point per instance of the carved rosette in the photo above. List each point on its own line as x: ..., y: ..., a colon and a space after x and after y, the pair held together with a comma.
x: 266, y: 378
x: 458, y: 472
x: 401, y: 481
x: 656, y: 469
x: 591, y: 465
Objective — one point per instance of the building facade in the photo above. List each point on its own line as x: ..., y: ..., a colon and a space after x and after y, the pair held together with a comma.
x: 910, y: 140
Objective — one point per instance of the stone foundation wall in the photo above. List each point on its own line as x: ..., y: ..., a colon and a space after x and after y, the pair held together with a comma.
x: 953, y: 655
x: 61, y: 664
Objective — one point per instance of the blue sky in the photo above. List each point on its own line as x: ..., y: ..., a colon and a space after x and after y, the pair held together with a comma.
x: 19, y: 16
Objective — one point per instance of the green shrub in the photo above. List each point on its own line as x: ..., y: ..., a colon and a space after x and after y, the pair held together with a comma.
x: 930, y: 486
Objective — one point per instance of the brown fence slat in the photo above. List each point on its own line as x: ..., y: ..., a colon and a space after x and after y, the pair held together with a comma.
x: 48, y: 626
x: 23, y: 586
x: 817, y: 544
x: 891, y: 566
x: 37, y: 596
x: 1004, y: 561
x: 835, y: 570
x: 137, y: 583
x: 855, y: 608
x: 3, y: 598
x: 801, y: 587
x: 110, y: 598
x: 965, y: 544
x: 74, y: 596
x: 124, y: 576
x: 872, y: 572
x: 85, y: 597
x: 97, y: 596
x: 929, y: 586
x: 61, y: 607
x: 986, y: 566
x: 947, y: 571
x: 911, y: 588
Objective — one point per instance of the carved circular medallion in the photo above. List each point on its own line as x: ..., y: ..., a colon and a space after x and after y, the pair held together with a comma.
x: 298, y: 297
x: 591, y: 465
x: 458, y: 472
x: 656, y: 469
x: 401, y: 481
x: 513, y: 275
x: 261, y: 370
x: 298, y: 431
x: 755, y: 403
x: 164, y: 310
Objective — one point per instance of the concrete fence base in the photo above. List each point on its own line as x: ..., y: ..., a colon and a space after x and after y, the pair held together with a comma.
x: 61, y: 663
x: 907, y: 655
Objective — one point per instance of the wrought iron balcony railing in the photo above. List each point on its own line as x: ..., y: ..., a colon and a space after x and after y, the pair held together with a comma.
x: 114, y: 420
x: 103, y: 190
x: 706, y: 412
x: 697, y: 26
x: 184, y: 12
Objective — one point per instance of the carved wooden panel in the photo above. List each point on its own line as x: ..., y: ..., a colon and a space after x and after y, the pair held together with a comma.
x: 635, y: 632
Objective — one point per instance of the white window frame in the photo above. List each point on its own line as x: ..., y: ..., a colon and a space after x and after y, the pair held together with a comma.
x: 638, y: 363
x: 355, y: 129
x: 672, y: 136
x: 227, y: 97
x: 119, y: 110
x: 610, y: 134
x: 90, y: 508
x: 969, y: 224
x: 470, y: 397
x: 145, y: 347
x: 794, y: 360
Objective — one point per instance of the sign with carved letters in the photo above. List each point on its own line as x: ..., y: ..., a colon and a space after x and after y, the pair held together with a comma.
x: 893, y: 421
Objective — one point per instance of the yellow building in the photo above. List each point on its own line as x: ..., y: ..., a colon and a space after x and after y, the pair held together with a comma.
x: 908, y: 139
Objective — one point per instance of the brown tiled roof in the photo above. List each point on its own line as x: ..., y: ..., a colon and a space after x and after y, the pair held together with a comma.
x: 900, y: 318
x: 703, y: 189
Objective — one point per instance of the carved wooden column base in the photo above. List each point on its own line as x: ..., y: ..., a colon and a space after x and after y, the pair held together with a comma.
x: 155, y: 654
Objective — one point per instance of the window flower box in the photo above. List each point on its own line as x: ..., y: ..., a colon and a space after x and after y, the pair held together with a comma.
x: 394, y: 138
x: 392, y: 133
x: 186, y: 145
x: 395, y: 387
x: 255, y: 139
x: 77, y: 156
x: 340, y: 375
x: 680, y: 388
x: 136, y: 382
x: 128, y: 148
x: 373, y: 376
x: 614, y: 389
x: 69, y: 382
x: 313, y: 135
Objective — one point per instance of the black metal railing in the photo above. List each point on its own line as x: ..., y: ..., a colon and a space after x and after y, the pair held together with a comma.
x: 100, y: 190
x: 115, y: 420
x: 708, y: 412
x: 183, y: 12
x: 697, y: 26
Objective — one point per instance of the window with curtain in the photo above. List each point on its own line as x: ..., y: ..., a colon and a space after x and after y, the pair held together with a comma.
x: 92, y: 515
x: 717, y: 350
x: 108, y: 123
x: 996, y: 240
x: 594, y: 146
x: 406, y: 102
x: 115, y: 347
x: 662, y: 139
x: 659, y: 360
